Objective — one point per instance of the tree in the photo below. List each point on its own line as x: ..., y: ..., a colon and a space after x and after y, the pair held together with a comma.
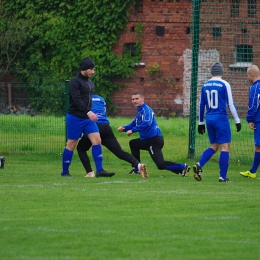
x: 13, y: 36
x: 54, y: 35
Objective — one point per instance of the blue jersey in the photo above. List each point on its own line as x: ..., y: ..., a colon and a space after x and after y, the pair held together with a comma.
x: 144, y: 123
x: 99, y: 107
x: 216, y: 94
x: 253, y: 113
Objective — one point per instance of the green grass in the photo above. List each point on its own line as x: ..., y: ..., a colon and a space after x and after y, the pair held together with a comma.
x: 44, y: 216
x: 25, y: 134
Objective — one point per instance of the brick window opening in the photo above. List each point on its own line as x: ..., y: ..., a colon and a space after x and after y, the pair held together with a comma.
x: 244, y: 53
x: 234, y: 11
x: 132, y: 29
x: 129, y: 48
x: 159, y: 30
x: 139, y: 6
x: 251, y: 8
x: 188, y: 30
x: 216, y: 32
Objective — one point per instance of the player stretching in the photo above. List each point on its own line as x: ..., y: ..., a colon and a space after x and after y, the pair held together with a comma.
x: 151, y: 138
x: 215, y: 95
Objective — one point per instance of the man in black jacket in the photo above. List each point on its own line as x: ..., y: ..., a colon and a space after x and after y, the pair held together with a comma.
x: 80, y: 119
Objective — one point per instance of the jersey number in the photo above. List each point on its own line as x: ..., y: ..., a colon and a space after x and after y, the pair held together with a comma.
x: 212, y: 97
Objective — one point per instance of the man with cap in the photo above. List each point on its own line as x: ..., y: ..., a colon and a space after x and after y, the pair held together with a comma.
x: 215, y: 95
x: 80, y: 119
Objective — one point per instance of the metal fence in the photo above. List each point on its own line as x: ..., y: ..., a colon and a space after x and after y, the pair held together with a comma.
x: 32, y: 118
x: 225, y: 31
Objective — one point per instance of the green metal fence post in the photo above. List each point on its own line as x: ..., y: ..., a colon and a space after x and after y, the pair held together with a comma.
x: 66, y: 106
x: 194, y: 78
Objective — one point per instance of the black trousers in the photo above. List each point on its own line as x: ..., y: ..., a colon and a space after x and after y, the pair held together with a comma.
x: 109, y: 140
x: 154, y: 147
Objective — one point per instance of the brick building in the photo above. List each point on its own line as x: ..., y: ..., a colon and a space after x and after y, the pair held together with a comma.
x: 229, y: 32
x: 165, y: 42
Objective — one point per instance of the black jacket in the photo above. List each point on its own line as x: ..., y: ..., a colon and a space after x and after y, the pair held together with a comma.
x: 81, y: 89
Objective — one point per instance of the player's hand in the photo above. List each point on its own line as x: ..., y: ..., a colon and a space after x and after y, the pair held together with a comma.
x: 239, y: 126
x: 120, y: 129
x: 252, y: 126
x: 129, y: 132
x: 92, y: 116
x: 201, y: 129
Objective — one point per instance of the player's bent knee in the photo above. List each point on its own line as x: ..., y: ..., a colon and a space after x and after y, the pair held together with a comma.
x: 160, y: 166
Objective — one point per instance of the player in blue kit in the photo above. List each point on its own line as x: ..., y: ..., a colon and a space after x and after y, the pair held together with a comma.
x: 253, y: 117
x: 151, y: 138
x: 80, y: 119
x: 215, y: 95
x: 108, y: 139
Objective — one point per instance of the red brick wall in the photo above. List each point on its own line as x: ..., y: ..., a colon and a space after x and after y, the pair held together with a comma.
x: 167, y: 51
x: 173, y: 53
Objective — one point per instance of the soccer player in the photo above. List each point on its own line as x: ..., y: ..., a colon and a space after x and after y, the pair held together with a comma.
x: 151, y: 138
x: 215, y: 95
x: 80, y: 119
x: 108, y: 139
x: 253, y: 117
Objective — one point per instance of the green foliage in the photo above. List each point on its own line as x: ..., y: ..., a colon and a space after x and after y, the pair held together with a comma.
x: 154, y: 70
x: 46, y: 98
x: 139, y: 32
x: 139, y: 40
x: 61, y: 33
x: 13, y: 36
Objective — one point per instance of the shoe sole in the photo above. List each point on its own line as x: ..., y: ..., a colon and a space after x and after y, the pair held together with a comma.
x: 197, y: 177
x: 105, y: 175
x: 90, y: 176
x: 248, y: 176
x: 244, y: 176
x: 143, y: 171
x: 186, y: 172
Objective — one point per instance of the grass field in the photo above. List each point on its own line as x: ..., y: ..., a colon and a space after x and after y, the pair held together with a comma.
x: 45, y: 216
x: 25, y: 134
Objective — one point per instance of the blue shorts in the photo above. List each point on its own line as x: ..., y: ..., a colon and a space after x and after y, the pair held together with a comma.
x: 76, y: 126
x: 219, y: 130
x: 257, y: 134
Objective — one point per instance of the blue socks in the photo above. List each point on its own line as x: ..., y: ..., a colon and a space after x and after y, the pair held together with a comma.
x: 98, y: 157
x: 96, y: 153
x: 223, y: 164
x: 66, y: 160
x: 207, y: 154
x: 256, y: 162
x: 175, y: 167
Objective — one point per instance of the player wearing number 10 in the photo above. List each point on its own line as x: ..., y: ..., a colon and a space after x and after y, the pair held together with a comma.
x: 215, y: 95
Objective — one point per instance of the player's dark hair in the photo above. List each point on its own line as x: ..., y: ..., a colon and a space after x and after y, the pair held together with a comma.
x: 138, y: 93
